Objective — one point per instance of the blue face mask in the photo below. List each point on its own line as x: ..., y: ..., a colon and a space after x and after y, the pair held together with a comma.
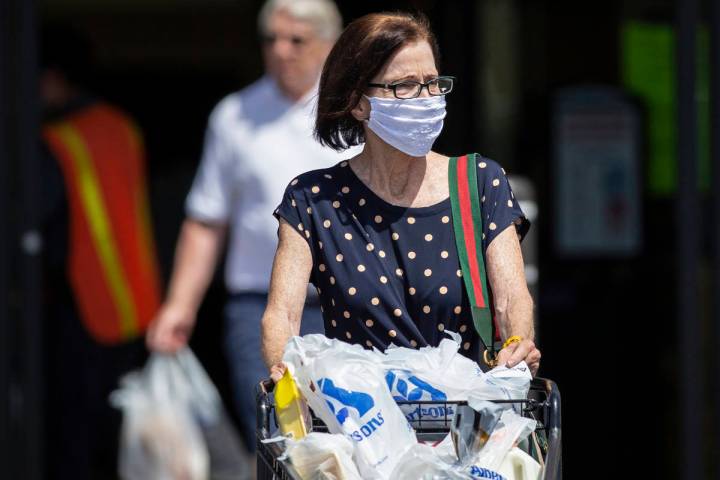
x: 410, y: 125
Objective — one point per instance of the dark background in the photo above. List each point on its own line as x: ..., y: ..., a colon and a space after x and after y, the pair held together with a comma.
x: 607, y: 326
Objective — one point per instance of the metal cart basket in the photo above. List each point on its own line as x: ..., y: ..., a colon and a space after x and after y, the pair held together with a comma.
x: 542, y: 404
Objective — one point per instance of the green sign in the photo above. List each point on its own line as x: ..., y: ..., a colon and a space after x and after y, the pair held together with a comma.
x: 649, y: 73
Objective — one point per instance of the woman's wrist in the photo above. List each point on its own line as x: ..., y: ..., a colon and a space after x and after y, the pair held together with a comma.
x: 511, y: 340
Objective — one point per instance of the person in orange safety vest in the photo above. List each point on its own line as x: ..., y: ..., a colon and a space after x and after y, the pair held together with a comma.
x: 101, y: 272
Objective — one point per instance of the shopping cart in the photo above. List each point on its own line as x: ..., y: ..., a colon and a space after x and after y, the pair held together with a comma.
x: 542, y: 404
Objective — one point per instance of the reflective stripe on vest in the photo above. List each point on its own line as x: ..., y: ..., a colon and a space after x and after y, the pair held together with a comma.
x: 112, y: 264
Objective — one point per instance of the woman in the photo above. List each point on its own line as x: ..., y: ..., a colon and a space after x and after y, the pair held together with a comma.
x: 374, y: 234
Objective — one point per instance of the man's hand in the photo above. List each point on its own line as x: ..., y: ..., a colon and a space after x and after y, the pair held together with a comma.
x: 170, y: 330
x: 519, y: 351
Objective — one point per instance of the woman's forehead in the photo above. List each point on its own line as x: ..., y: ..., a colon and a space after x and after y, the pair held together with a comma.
x: 412, y: 59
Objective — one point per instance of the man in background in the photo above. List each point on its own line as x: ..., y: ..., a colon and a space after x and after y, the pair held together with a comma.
x: 257, y: 140
x: 102, y: 281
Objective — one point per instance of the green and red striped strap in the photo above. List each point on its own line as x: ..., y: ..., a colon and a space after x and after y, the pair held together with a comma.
x: 468, y: 226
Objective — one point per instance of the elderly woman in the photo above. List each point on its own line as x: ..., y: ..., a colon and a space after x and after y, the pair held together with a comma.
x: 375, y: 234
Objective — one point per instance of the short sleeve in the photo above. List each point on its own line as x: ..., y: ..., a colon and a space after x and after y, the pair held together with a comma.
x: 210, y: 198
x: 500, y: 208
x: 294, y: 209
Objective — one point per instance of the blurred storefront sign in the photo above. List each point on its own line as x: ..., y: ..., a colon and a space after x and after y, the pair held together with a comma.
x: 649, y: 72
x: 596, y: 160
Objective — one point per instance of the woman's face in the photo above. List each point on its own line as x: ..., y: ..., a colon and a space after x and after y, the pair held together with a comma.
x: 414, y: 61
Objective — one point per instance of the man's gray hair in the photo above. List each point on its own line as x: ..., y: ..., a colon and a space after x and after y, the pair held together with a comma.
x: 323, y: 15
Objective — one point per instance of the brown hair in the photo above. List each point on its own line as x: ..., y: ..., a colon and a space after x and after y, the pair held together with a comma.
x: 359, y: 54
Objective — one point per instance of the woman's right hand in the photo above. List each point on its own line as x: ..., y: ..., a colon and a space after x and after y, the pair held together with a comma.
x: 277, y: 371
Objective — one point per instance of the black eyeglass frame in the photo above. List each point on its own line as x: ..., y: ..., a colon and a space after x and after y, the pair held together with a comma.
x: 426, y: 85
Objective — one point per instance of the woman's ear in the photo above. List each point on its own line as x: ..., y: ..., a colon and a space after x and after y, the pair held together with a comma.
x: 361, y: 112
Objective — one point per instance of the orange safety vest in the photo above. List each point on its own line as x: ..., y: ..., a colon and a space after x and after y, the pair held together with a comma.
x: 112, y: 264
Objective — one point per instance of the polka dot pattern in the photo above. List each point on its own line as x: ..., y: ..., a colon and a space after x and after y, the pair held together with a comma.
x: 386, y: 273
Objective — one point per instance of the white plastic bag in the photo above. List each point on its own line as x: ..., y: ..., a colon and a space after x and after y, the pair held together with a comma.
x: 441, y: 373
x: 422, y: 462
x: 511, y: 429
x: 345, y: 386
x: 174, y: 423
x: 506, y: 383
x: 160, y: 438
x: 322, y: 456
x: 426, y: 462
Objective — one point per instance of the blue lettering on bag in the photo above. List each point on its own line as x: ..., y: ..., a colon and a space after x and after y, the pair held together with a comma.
x: 360, y: 401
x: 478, y: 472
x: 439, y: 412
x: 412, y: 388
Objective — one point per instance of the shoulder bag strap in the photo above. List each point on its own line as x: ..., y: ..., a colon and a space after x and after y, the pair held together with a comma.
x: 467, y: 223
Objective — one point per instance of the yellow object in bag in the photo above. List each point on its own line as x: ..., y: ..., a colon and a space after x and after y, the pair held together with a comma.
x: 290, y: 408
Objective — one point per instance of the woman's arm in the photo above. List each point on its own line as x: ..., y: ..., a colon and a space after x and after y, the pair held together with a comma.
x: 288, y: 287
x: 512, y: 300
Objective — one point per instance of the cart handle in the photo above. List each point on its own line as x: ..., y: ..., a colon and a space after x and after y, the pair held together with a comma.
x: 264, y: 406
x: 553, y: 463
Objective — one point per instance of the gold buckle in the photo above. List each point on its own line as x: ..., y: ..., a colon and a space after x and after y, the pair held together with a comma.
x: 490, y: 362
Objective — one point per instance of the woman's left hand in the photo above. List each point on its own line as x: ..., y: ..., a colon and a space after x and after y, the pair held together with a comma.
x: 519, y: 351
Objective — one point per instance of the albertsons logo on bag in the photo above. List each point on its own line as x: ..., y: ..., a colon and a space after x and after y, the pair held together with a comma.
x: 479, y: 472
x: 404, y: 386
x: 339, y: 400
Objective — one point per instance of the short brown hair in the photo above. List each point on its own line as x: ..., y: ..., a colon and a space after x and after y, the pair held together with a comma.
x: 359, y: 54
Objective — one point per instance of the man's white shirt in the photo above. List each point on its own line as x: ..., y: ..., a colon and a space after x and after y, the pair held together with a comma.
x: 256, y: 142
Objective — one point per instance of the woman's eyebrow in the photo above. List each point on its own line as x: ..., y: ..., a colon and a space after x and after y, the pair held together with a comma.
x: 412, y: 77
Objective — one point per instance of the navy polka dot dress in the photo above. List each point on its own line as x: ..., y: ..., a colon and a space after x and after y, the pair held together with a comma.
x: 390, y: 274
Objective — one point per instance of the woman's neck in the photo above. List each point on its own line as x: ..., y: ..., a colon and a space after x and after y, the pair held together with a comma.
x: 389, y: 172
x: 397, y: 178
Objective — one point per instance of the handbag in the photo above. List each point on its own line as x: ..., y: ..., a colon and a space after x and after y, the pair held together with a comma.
x: 468, y: 226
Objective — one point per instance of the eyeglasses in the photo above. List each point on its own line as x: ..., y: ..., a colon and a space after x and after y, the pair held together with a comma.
x: 296, y: 41
x: 411, y: 89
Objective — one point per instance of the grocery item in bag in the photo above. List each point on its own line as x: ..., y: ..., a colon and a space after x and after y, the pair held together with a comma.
x: 291, y: 409
x: 518, y: 465
x: 322, y: 455
x: 471, y: 428
x: 511, y: 429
